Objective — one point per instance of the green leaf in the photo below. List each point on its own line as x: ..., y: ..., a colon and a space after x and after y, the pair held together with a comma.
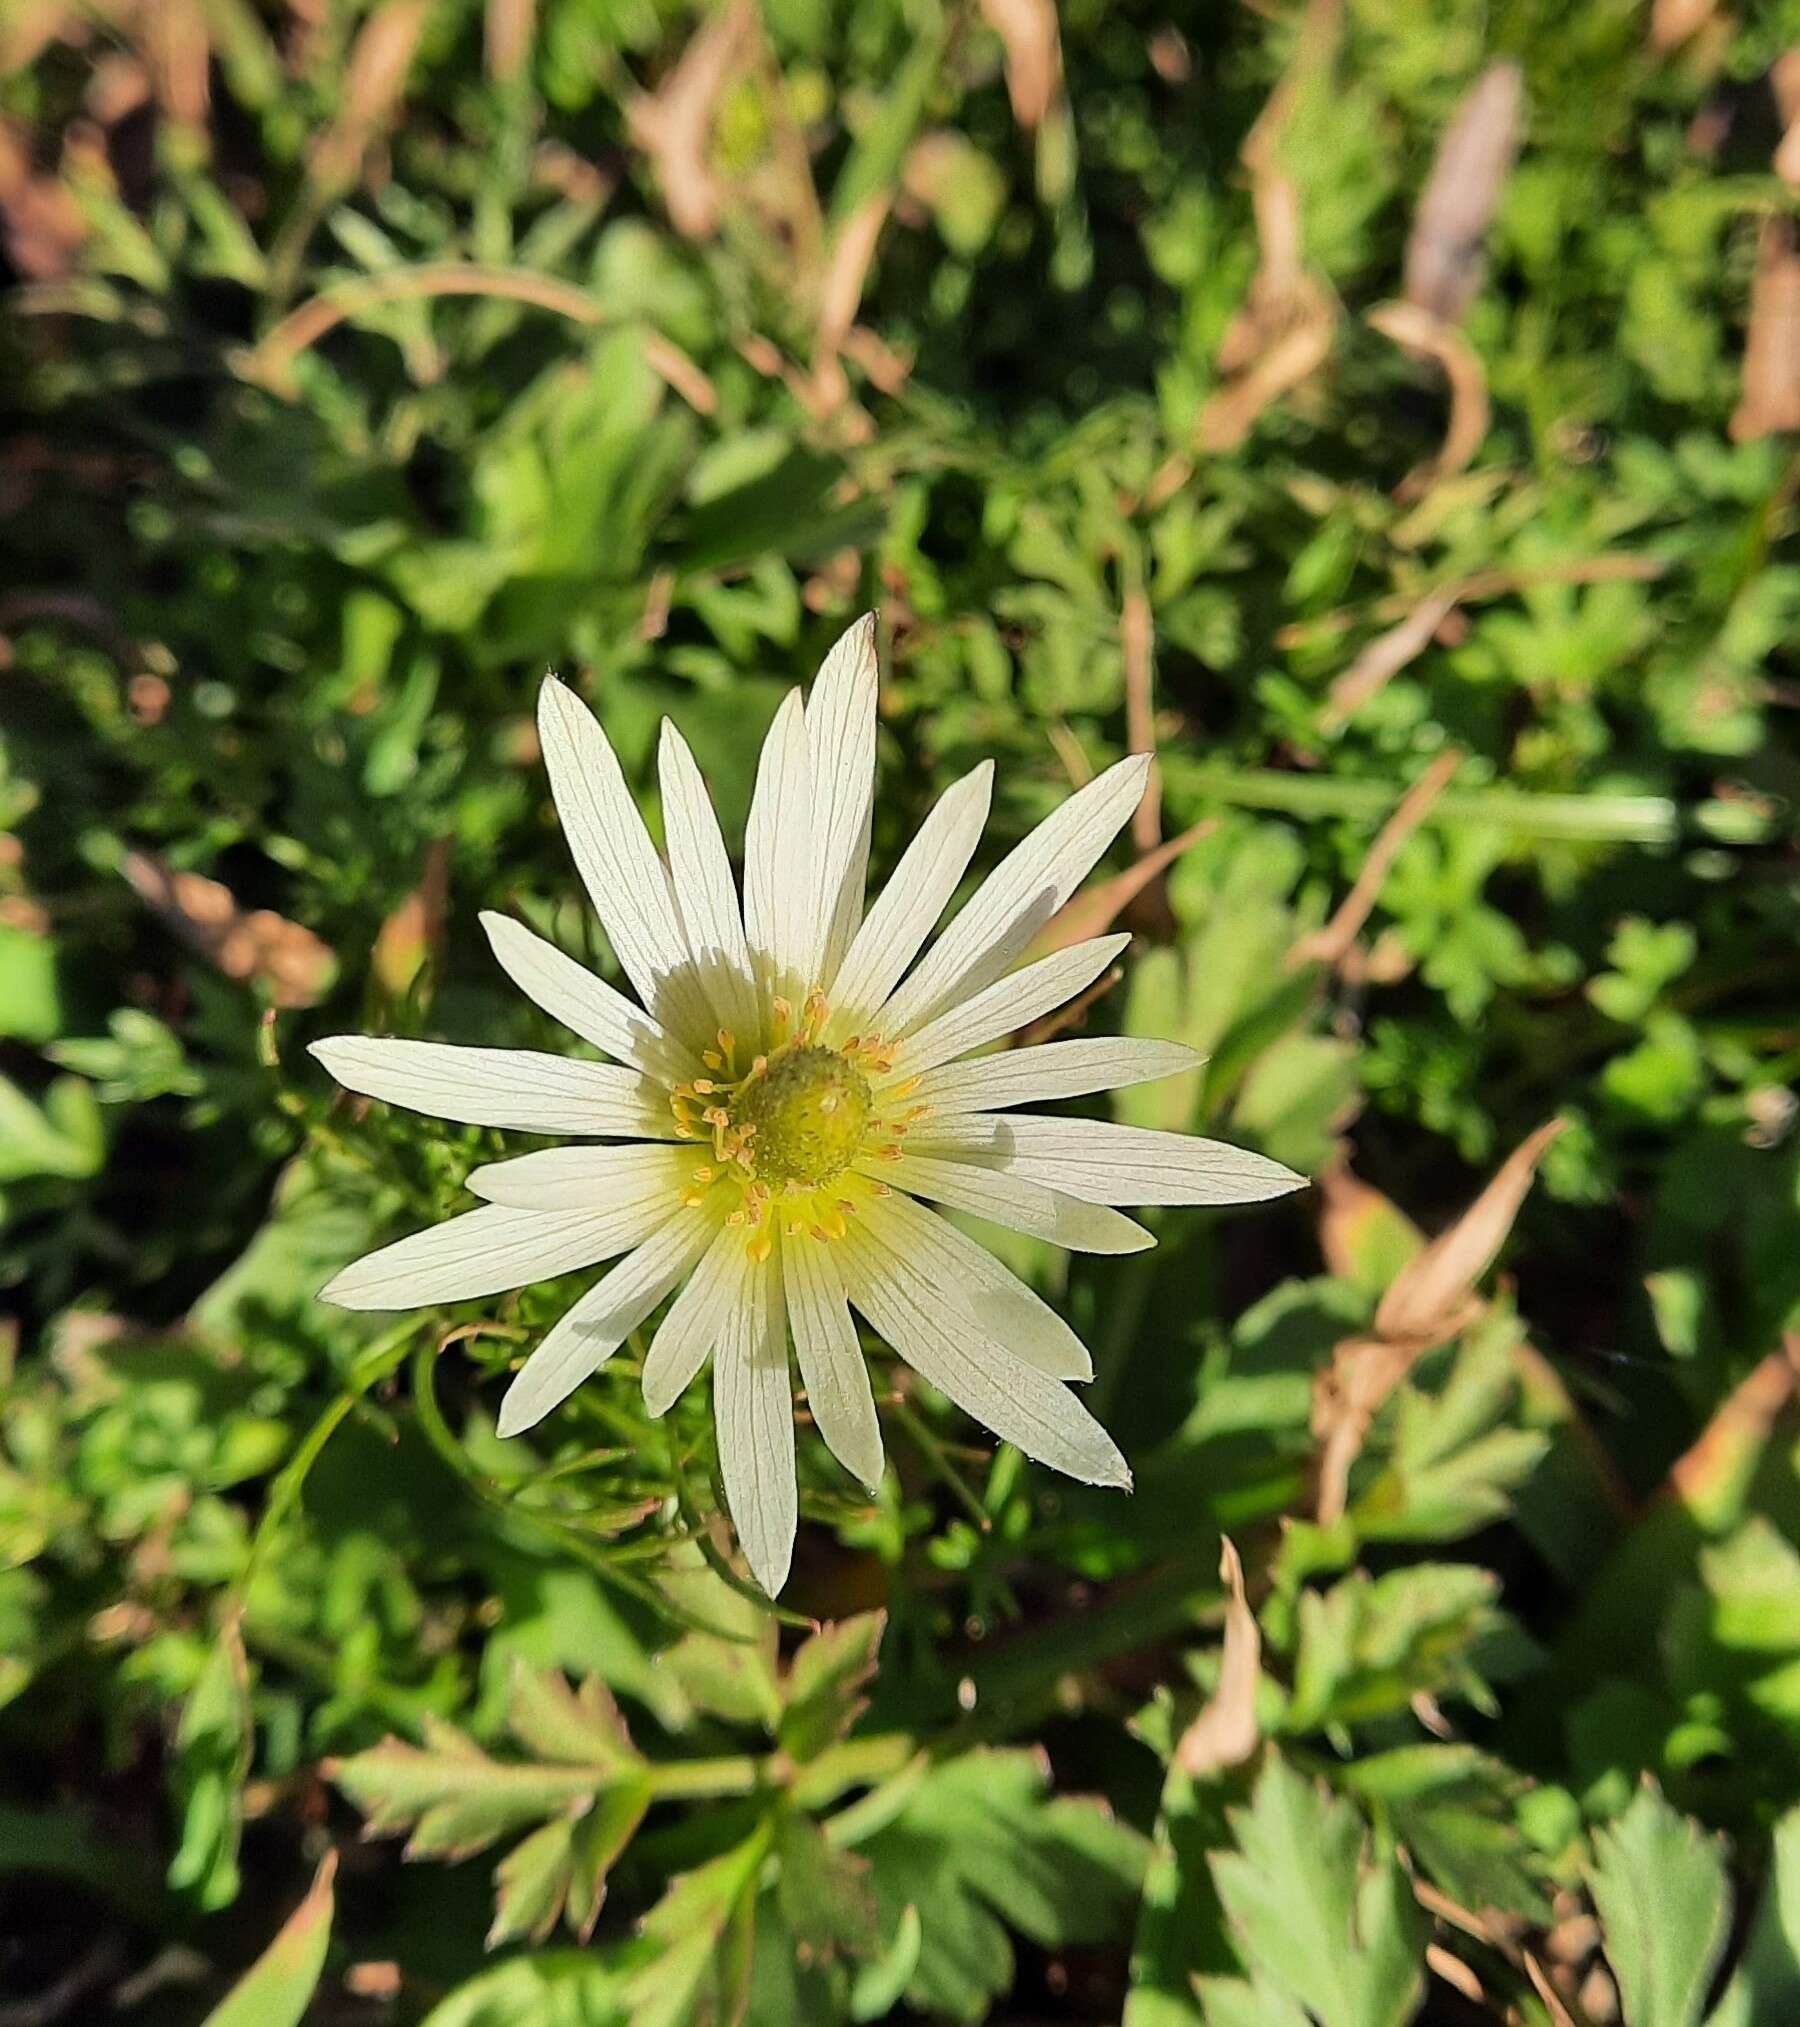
x: 823, y: 1688
x: 1370, y: 1644
x: 581, y: 1727
x: 1453, y: 1807
x: 452, y: 1795
x: 980, y: 1843
x: 550, y: 1988
x: 1454, y: 1457
x: 586, y: 1795
x: 824, y: 1894
x: 1659, y: 1887
x: 1316, y: 1913
x: 1181, y: 1935
x: 278, y: 1987
x: 62, y: 1137
x: 703, y: 1928
x: 1767, y: 1984
x: 212, y: 1757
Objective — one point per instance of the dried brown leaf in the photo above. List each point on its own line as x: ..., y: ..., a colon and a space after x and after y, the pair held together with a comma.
x: 1672, y: 22
x: 841, y: 292
x: 177, y: 48
x: 1028, y: 30
x: 1331, y: 944
x: 381, y: 60
x: 44, y: 225
x: 1428, y: 337
x: 1228, y: 416
x: 1431, y: 1294
x: 1738, y: 1431
x: 1446, y: 250
x: 1226, y: 1732
x: 670, y: 363
x: 1455, y: 1973
x: 1430, y: 1300
x: 1387, y: 655
x: 414, y: 933
x: 1093, y: 911
x: 1346, y: 1397
x: 1769, y: 400
x: 507, y: 30
x: 256, y: 944
x: 1349, y: 1209
x: 1784, y: 81
x: 1284, y: 330
x: 674, y: 124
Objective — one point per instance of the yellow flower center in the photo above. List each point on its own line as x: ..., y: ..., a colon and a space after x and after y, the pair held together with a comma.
x: 802, y: 1116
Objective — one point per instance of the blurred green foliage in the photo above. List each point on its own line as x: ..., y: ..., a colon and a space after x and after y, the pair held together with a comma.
x: 366, y: 358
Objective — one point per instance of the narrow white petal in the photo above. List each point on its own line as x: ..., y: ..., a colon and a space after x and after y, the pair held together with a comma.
x: 991, y: 1297
x: 592, y: 1329
x: 781, y: 915
x: 1006, y: 1004
x: 1012, y: 1201
x: 523, y: 1089
x: 1034, y: 1076
x: 840, y: 740
x: 1107, y: 1164
x: 586, y: 1005
x: 619, y: 866
x: 832, y: 1365
x: 911, y: 902
x: 753, y: 1418
x: 1015, y: 1400
x: 705, y: 892
x: 480, y: 1253
x: 1018, y: 897
x: 644, y: 1181
x: 696, y: 1319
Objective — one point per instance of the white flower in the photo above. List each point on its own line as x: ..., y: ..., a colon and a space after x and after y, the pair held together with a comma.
x: 791, y: 1092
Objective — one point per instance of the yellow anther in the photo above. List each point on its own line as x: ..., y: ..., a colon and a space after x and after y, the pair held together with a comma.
x: 712, y: 1059
x: 761, y: 1247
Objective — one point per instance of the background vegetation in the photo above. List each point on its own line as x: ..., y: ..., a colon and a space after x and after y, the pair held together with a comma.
x: 1381, y: 408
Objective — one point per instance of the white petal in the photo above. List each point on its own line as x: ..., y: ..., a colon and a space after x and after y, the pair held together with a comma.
x: 1012, y: 1201
x: 696, y: 1319
x: 753, y: 1418
x: 781, y: 910
x: 705, y: 892
x: 991, y: 1297
x: 1107, y: 1164
x: 586, y: 1006
x: 480, y: 1253
x: 911, y: 902
x: 840, y: 740
x: 1034, y: 1076
x: 1018, y: 897
x: 1015, y: 1400
x: 637, y: 1180
x: 519, y: 1088
x: 619, y: 866
x: 832, y: 1366
x: 1006, y: 1004
x: 592, y: 1329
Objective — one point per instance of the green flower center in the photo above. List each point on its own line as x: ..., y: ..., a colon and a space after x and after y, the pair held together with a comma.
x: 806, y: 1112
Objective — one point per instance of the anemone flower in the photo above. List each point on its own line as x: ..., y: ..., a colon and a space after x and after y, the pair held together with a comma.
x: 792, y: 1091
